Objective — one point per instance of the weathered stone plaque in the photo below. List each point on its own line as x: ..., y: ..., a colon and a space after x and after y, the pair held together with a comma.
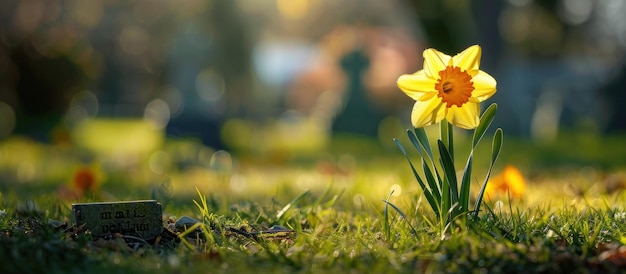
x: 135, y: 218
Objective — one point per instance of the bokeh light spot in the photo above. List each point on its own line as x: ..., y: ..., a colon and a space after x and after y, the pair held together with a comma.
x: 293, y: 9
x: 238, y: 183
x: 204, y: 156
x: 75, y: 115
x: 159, y: 162
x: 575, y: 12
x: 173, y: 261
x: 88, y: 101
x: 499, y: 205
x: 305, y: 181
x: 87, y: 13
x: 174, y: 99
x: 347, y: 162
x: 28, y: 15
x: 221, y: 161
x: 358, y: 199
x: 83, y: 105
x: 514, y: 25
x: 210, y: 85
x: 397, y: 190
x: 157, y: 113
x: 134, y: 40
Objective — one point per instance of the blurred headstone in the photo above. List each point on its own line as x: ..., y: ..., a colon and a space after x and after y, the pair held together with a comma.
x: 359, y: 116
x: 613, y: 93
x: 192, y: 74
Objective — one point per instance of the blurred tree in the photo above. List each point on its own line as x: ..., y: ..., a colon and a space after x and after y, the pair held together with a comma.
x: 448, y: 25
x: 613, y: 93
x: 235, y: 47
x: 44, y: 89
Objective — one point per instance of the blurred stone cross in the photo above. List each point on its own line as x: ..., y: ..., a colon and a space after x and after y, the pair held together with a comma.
x: 359, y: 115
x: 141, y: 219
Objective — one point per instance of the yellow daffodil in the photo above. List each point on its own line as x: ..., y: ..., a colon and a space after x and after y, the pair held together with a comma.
x: 509, y: 181
x: 448, y: 87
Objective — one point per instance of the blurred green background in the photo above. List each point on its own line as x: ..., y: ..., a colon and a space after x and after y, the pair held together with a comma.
x: 169, y: 85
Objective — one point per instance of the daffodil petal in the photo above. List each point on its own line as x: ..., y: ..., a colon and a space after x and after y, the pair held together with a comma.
x: 484, y: 86
x: 466, y: 117
x: 428, y: 112
x: 427, y: 96
x: 416, y: 85
x: 468, y: 60
x: 434, y: 62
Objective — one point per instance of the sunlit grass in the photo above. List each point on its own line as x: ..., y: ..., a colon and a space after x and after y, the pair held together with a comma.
x: 570, y: 217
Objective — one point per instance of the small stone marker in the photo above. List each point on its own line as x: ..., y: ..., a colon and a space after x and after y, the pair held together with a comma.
x: 135, y: 218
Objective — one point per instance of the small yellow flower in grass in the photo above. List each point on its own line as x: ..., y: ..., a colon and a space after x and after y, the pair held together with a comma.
x: 448, y: 87
x: 509, y: 181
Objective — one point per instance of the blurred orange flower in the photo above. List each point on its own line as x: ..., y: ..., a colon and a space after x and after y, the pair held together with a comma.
x: 510, y: 180
x: 85, y: 181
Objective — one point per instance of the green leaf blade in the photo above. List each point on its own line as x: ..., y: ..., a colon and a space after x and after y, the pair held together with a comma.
x: 432, y: 183
x: 465, y: 185
x: 400, y: 212
x: 427, y: 193
x: 485, y: 122
x: 449, y: 171
x: 496, y: 146
x: 423, y: 140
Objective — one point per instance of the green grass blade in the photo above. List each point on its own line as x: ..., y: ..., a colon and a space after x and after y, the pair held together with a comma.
x: 284, y: 210
x: 421, y: 147
x: 449, y: 171
x: 427, y: 192
x: 432, y: 183
x: 386, y: 224
x: 414, y: 141
x: 206, y: 231
x: 485, y: 122
x: 434, y: 186
x: 452, y: 212
x: 423, y: 140
x: 319, y: 199
x: 401, y: 147
x: 445, y: 196
x: 401, y: 213
x: 202, y: 206
x: 496, y: 145
x: 332, y: 201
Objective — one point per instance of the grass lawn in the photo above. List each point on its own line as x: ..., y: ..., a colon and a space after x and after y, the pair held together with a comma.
x: 571, y: 218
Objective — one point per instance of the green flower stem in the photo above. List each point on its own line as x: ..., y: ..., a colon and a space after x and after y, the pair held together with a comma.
x: 439, y: 183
